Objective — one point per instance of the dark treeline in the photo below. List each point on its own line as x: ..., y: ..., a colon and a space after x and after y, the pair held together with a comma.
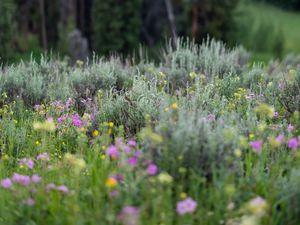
x: 80, y: 27
x: 106, y: 26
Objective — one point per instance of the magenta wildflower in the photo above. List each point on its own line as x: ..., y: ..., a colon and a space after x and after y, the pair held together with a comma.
x: 36, y: 178
x: 127, y: 149
x: 293, y: 143
x: 280, y: 138
x: 29, y: 202
x: 21, y: 179
x: 256, y: 145
x: 276, y: 114
x: 132, y: 161
x: 131, y: 143
x: 112, y: 152
x: 186, y: 206
x: 290, y: 127
x: 152, y: 169
x: 76, y: 120
x: 6, y: 183
x: 129, y: 215
x: 43, y: 156
x: 27, y: 162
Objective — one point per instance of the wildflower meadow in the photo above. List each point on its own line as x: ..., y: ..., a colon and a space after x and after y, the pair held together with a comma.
x: 201, y: 137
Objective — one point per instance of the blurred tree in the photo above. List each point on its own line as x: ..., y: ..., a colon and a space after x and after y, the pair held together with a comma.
x: 116, y: 25
x: 7, y: 29
x: 212, y: 17
x: 287, y: 4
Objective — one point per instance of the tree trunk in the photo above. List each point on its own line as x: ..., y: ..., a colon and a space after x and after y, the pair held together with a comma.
x: 171, y: 18
x: 43, y: 24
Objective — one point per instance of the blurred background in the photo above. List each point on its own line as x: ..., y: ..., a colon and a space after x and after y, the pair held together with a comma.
x: 79, y: 28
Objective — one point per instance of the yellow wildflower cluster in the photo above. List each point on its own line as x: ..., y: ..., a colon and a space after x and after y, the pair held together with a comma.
x: 44, y: 126
x: 77, y: 164
x: 265, y: 110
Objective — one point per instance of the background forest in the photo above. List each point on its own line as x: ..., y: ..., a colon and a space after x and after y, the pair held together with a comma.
x: 78, y: 28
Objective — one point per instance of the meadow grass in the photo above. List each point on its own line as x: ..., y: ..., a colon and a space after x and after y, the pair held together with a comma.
x: 201, y: 138
x: 253, y: 14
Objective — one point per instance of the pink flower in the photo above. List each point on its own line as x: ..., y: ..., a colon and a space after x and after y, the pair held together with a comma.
x: 276, y: 114
x: 50, y: 186
x: 129, y: 215
x: 43, y: 156
x: 152, y: 169
x: 27, y: 162
x: 256, y: 145
x: 132, y: 161
x: 112, y: 152
x: 186, y: 206
x: 62, y: 188
x: 21, y: 179
x: 36, y: 178
x: 131, y: 143
x: 280, y: 138
x: 293, y: 143
x: 290, y: 127
x: 76, y: 120
x: 6, y: 183
x: 29, y: 202
x: 211, y: 117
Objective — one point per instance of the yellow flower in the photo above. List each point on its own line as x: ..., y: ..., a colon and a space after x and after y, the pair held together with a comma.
x: 103, y: 156
x: 95, y: 133
x: 183, y: 195
x: 37, y: 143
x: 46, y: 126
x: 265, y: 110
x: 238, y: 153
x: 174, y: 106
x: 166, y: 109
x: 251, y: 136
x: 111, y: 182
x: 193, y: 75
x: 165, y: 178
x: 111, y: 124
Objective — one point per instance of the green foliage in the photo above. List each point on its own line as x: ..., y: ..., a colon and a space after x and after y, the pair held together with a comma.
x: 7, y: 29
x: 146, y: 137
x: 116, y: 26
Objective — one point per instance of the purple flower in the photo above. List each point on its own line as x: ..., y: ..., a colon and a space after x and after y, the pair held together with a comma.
x: 276, y: 114
x: 36, y: 178
x: 293, y: 143
x: 280, y: 138
x: 29, y: 202
x: 186, y: 206
x: 37, y: 107
x: 21, y: 179
x: 211, y: 117
x: 127, y: 149
x: 76, y: 120
x: 152, y: 169
x: 50, y: 186
x: 131, y: 143
x: 290, y: 127
x: 6, y: 183
x: 129, y: 215
x: 43, y: 156
x: 27, y: 162
x: 132, y: 161
x: 112, y: 152
x: 256, y: 145
x: 62, y: 188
